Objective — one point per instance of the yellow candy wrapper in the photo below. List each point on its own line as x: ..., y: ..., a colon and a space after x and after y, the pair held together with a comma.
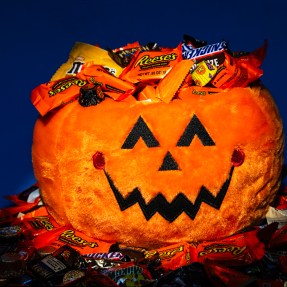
x: 82, y: 53
x: 203, y: 73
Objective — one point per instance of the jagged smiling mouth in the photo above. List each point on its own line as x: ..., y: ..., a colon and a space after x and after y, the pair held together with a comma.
x: 170, y: 210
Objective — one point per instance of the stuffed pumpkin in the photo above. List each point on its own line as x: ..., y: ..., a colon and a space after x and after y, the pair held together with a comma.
x: 150, y: 173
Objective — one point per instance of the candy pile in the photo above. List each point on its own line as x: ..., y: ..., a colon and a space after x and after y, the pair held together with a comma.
x: 150, y: 73
x: 36, y: 251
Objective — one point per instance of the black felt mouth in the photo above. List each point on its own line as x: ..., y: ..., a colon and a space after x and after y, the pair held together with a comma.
x: 170, y: 210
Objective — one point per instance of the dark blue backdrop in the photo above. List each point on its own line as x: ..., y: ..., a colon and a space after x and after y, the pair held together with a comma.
x: 37, y: 36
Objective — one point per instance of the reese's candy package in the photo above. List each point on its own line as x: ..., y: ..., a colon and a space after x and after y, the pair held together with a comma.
x: 82, y: 53
x: 54, y: 94
x: 110, y: 85
x: 33, y: 226
x: 172, y: 256
x: 66, y: 235
x: 239, y: 249
x: 151, y: 65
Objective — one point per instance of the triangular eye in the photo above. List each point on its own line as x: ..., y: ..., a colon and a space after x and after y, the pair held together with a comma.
x: 195, y: 127
x: 140, y: 130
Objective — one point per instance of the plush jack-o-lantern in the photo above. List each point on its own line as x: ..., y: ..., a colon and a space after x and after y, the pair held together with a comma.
x: 200, y: 167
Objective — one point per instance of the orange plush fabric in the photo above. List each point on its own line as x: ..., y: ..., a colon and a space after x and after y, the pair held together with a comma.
x: 200, y: 167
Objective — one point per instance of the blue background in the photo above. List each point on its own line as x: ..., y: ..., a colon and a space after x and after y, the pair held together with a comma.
x: 37, y: 36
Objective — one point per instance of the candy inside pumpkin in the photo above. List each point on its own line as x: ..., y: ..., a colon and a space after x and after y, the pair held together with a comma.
x: 200, y: 167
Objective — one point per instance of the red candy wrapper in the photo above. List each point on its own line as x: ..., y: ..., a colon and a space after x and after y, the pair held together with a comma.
x: 66, y: 235
x: 235, y: 73
x: 240, y: 249
x: 9, y: 214
x: 171, y: 257
x: 35, y: 225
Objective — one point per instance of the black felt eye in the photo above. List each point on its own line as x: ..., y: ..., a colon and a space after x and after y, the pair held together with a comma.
x: 195, y: 127
x: 140, y: 130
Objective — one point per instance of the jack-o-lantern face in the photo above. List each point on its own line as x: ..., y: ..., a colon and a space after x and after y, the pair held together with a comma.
x: 150, y: 174
x: 171, y: 210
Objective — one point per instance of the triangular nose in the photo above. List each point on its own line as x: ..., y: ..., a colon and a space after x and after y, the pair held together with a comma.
x: 169, y: 163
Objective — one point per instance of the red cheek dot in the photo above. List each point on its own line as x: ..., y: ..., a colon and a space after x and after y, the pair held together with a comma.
x: 98, y: 160
x: 237, y: 158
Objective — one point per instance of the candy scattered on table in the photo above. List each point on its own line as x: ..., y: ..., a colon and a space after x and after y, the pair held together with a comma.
x: 36, y: 251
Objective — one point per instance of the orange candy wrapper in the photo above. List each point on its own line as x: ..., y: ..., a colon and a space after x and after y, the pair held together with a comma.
x: 232, y: 73
x: 36, y: 223
x: 54, y: 94
x: 167, y: 87
x: 151, y: 65
x: 170, y: 84
x: 239, y: 249
x: 172, y: 256
x: 240, y: 70
x: 66, y: 235
x: 111, y: 85
x: 9, y: 214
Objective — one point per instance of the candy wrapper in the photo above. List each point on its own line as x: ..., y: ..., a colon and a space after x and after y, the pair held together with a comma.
x: 82, y: 53
x: 145, y: 72
x: 47, y: 253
